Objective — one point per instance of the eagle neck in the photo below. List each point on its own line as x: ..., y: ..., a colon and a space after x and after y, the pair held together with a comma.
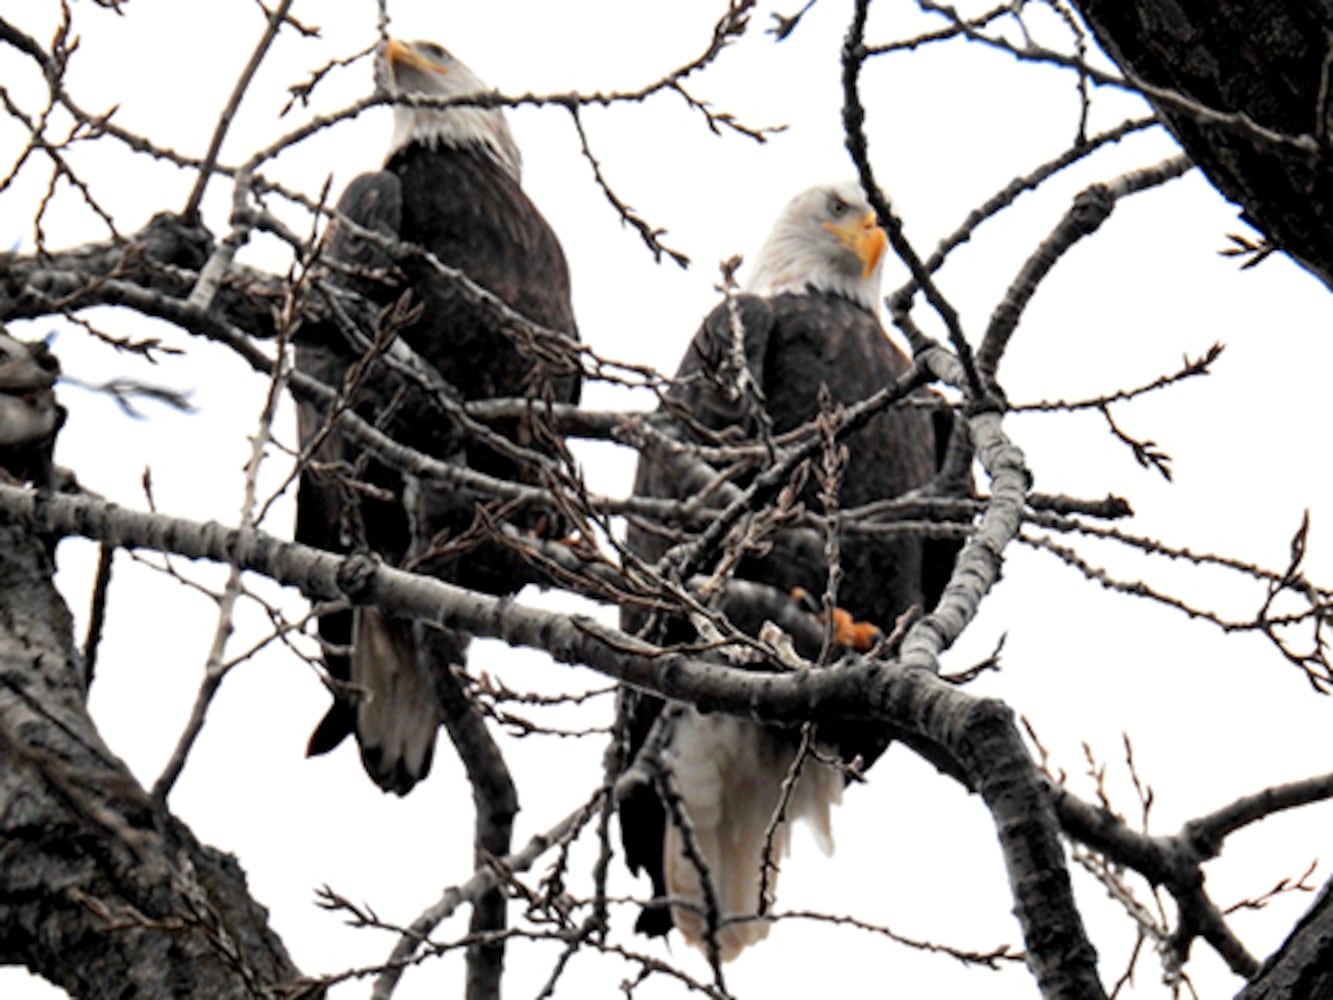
x: 787, y: 263
x: 482, y: 130
x: 862, y: 294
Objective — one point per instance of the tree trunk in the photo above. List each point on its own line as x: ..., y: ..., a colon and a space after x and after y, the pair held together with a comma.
x: 1302, y: 969
x: 1261, y: 63
x: 101, y: 892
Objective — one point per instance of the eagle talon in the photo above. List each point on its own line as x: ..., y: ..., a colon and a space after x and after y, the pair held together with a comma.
x: 847, y: 631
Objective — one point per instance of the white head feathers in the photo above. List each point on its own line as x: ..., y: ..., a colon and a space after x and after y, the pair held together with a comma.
x: 424, y: 69
x: 825, y: 239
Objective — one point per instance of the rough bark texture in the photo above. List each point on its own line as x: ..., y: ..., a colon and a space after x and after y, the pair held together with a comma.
x: 101, y: 892
x: 1264, y: 59
x: 1302, y: 969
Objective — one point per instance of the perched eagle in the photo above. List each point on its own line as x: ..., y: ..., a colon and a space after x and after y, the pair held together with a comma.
x: 809, y: 320
x: 449, y: 187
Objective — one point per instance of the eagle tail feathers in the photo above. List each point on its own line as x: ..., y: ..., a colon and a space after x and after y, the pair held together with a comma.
x: 730, y: 774
x: 396, y: 715
x: 338, y: 722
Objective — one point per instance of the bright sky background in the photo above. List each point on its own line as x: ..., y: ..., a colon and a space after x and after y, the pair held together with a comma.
x: 1210, y: 717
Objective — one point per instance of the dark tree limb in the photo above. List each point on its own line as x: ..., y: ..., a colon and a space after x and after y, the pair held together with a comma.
x: 1302, y: 969
x: 496, y: 801
x: 1267, y: 60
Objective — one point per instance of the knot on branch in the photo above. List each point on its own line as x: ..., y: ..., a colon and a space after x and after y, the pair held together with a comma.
x: 1091, y: 207
x: 171, y: 239
x: 356, y: 573
x: 1202, y: 841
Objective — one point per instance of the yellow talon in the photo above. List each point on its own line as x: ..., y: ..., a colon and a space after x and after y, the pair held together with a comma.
x: 847, y: 631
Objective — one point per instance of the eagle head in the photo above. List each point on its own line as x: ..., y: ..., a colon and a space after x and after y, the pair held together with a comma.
x: 826, y: 239
x: 424, y: 69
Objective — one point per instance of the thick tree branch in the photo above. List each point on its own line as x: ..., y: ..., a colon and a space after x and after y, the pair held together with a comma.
x: 1260, y: 61
x: 978, y: 732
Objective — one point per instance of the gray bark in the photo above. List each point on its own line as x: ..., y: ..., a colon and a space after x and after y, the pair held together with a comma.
x: 1302, y: 969
x: 1261, y: 62
x: 101, y: 892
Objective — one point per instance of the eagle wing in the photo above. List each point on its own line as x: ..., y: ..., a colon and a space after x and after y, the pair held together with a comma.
x: 347, y: 501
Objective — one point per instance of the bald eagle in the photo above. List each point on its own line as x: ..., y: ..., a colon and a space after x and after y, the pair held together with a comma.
x: 809, y: 320
x: 450, y: 186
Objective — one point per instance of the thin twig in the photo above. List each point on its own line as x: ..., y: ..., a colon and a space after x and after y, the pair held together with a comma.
x: 275, y: 22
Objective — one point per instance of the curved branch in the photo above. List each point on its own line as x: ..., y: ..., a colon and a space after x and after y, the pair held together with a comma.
x: 854, y: 55
x: 275, y: 21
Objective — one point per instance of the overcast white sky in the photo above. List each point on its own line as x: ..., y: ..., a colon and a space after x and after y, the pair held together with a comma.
x: 1210, y: 717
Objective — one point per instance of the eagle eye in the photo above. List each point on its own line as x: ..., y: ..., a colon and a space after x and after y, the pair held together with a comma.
x: 837, y: 206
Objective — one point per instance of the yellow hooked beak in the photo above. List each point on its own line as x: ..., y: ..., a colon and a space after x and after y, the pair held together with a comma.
x: 401, y: 54
x: 863, y: 238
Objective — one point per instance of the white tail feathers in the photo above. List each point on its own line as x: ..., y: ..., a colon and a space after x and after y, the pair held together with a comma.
x: 396, y: 715
x: 729, y: 773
